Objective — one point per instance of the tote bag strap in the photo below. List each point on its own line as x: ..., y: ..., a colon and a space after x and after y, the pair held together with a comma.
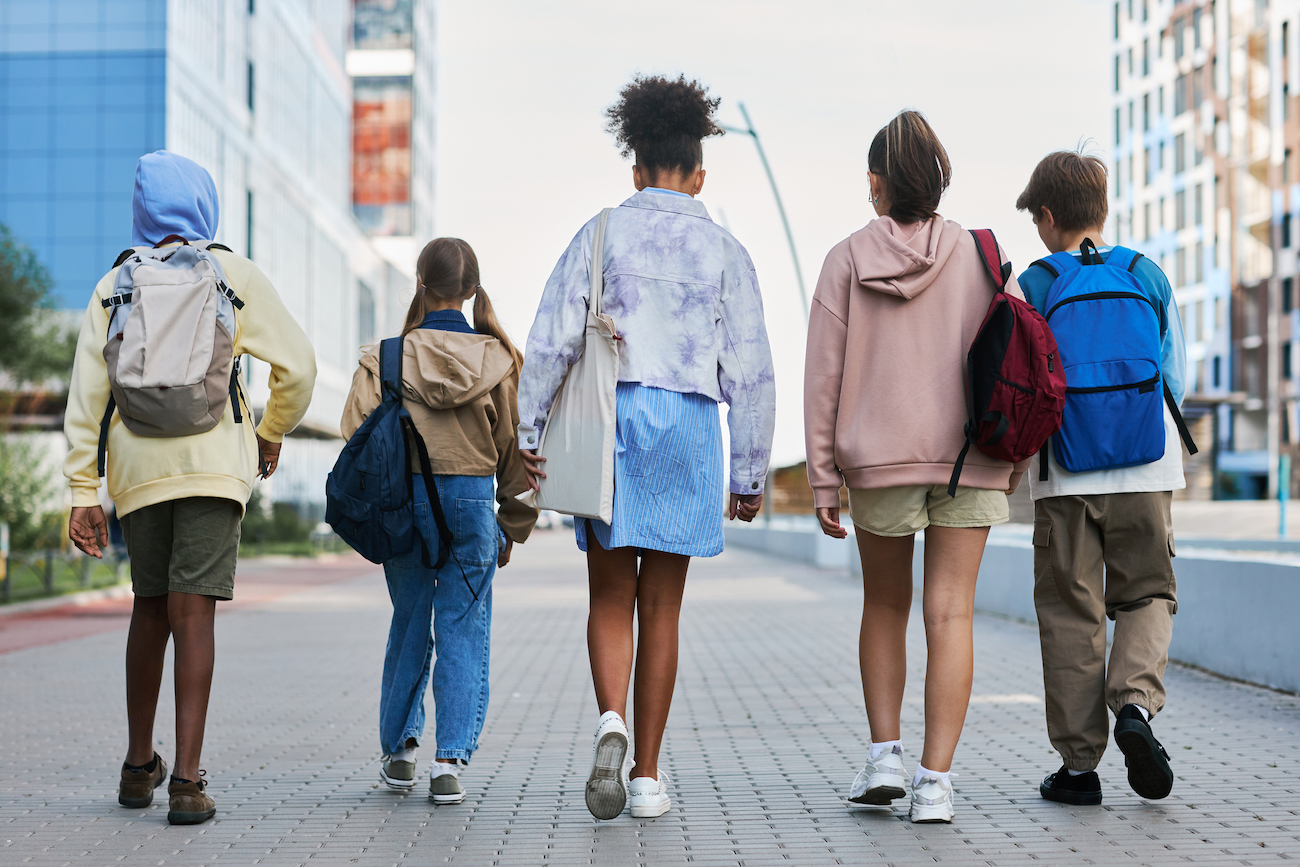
x: 598, y: 264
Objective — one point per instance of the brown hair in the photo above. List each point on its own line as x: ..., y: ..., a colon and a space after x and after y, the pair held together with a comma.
x: 1072, y: 186
x: 447, y: 270
x: 908, y: 157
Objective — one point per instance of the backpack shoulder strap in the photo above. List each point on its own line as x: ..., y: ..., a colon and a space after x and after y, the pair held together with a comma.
x: 987, y: 244
x: 1179, y: 422
x: 1063, y: 263
x: 390, y: 368
x: 1123, y: 258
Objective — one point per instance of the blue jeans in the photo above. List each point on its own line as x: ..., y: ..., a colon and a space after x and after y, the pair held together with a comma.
x: 458, y: 601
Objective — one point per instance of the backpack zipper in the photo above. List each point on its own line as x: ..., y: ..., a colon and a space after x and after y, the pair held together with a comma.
x: 1101, y: 296
x: 1100, y: 388
x: 1049, y: 362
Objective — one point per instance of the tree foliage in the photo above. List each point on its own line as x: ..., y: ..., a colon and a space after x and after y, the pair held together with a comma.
x: 27, y: 488
x: 35, y: 343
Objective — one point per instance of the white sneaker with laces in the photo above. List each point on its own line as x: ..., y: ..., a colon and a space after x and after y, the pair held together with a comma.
x: 606, y: 788
x: 881, y: 780
x: 932, y: 801
x: 649, y: 796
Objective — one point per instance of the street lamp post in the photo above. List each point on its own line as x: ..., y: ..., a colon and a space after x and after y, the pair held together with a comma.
x: 789, y: 237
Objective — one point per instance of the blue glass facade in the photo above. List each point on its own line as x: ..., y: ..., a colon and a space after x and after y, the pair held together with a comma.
x: 82, y: 97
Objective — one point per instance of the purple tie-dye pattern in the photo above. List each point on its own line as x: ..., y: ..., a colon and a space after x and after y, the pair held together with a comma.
x: 685, y: 297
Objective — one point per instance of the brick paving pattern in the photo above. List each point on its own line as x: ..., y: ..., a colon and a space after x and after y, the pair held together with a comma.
x: 766, y: 733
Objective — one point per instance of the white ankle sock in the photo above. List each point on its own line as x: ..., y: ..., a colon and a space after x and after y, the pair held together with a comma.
x: 879, y: 749
x: 922, y: 773
x: 440, y: 768
x: 1072, y: 772
x: 1146, y: 714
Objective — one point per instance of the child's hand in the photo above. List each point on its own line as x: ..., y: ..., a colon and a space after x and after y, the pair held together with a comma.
x: 745, y: 506
x: 88, y: 529
x: 533, y: 467
x: 1014, y: 483
x: 829, y: 518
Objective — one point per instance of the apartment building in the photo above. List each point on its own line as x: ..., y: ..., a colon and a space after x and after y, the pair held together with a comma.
x: 1201, y: 171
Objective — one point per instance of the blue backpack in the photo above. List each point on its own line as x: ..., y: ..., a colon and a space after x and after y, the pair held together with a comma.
x: 369, y: 495
x: 1109, y: 331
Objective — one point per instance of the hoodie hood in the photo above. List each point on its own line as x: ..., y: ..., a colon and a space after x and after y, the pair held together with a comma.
x: 447, y: 369
x: 173, y: 196
x: 902, y: 259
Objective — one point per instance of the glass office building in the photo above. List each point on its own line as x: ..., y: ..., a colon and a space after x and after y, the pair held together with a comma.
x: 257, y: 92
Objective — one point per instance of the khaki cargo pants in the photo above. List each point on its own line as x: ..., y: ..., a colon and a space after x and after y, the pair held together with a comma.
x: 1130, y: 536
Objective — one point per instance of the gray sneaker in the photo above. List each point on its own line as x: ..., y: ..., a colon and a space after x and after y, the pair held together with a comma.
x: 445, y: 788
x: 397, y: 774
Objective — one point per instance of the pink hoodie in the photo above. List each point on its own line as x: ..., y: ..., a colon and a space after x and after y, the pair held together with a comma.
x: 895, y: 311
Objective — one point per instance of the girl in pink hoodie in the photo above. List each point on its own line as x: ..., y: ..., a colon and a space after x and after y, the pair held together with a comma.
x: 896, y: 308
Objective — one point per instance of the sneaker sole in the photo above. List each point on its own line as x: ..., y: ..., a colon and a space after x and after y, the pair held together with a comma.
x: 931, y: 815
x: 1065, y: 796
x: 444, y: 800
x: 651, y: 812
x: 136, y: 803
x: 1149, y: 773
x: 606, y: 795
x: 880, y: 796
x: 394, y: 783
x: 178, y: 817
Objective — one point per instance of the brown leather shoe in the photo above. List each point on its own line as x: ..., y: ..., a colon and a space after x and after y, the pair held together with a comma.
x: 136, y: 787
x: 190, y: 805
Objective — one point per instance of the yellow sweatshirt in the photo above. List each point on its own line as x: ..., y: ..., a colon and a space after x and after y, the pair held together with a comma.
x: 222, y: 462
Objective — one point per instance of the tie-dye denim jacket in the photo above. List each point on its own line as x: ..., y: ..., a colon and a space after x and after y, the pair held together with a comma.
x: 684, y: 297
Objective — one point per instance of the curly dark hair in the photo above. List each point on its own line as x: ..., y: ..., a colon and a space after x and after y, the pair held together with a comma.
x: 662, y: 120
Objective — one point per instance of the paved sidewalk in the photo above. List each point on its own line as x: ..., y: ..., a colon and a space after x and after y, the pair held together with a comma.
x: 766, y: 734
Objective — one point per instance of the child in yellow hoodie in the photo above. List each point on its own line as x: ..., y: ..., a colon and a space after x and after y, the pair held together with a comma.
x: 180, y: 498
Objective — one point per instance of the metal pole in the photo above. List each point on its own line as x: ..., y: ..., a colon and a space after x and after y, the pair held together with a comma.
x: 789, y: 236
x: 1283, y: 492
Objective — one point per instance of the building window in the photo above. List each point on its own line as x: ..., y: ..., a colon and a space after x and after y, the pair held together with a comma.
x: 1180, y: 209
x: 1180, y: 154
x: 1146, y: 161
x: 1117, y: 20
x: 1117, y: 127
x: 251, y: 88
x: 1144, y: 11
x: 1286, y: 359
x: 1288, y: 298
x: 1117, y: 73
x: 251, y: 6
x: 1146, y: 58
x: 1160, y: 161
x: 1286, y: 166
x: 1218, y: 371
x: 1146, y: 112
x: 1200, y: 320
x: 1180, y: 267
x: 1119, y: 186
x: 1179, y: 26
x: 1197, y: 198
x: 1196, y: 27
x: 1146, y: 221
x: 1162, y: 216
x: 1198, y: 86
x: 1286, y: 230
x: 248, y: 224
x: 1180, y: 95
x: 1200, y: 262
x: 1130, y: 115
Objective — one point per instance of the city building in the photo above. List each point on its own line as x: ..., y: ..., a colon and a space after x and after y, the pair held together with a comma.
x: 258, y: 92
x: 1201, y: 172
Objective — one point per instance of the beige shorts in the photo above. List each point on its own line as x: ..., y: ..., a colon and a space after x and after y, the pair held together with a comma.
x: 908, y: 509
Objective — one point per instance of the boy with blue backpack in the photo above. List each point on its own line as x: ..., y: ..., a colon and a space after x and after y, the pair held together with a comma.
x: 1103, y: 484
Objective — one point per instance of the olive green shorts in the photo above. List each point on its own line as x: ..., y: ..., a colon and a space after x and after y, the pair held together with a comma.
x: 909, y: 509
x: 189, y: 545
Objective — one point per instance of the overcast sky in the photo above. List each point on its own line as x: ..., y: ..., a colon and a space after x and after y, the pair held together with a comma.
x: 524, y: 161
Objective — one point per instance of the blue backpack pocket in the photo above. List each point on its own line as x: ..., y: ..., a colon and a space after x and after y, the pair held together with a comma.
x: 1114, y: 416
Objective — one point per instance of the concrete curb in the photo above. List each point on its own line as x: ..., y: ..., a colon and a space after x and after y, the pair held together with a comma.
x: 81, y: 597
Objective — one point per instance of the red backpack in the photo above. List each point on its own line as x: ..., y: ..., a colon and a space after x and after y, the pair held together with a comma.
x: 1015, y: 387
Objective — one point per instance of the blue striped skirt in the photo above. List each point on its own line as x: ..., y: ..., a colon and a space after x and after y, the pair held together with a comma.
x: 668, y: 485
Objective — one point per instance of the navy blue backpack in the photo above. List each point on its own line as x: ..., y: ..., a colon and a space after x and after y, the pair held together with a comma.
x: 369, y: 495
x: 1108, y: 330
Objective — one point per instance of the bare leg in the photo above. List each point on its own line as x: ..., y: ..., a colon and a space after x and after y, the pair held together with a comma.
x: 658, y: 608
x: 882, y: 641
x: 612, y: 581
x: 146, y: 647
x: 191, y: 617
x: 952, y: 562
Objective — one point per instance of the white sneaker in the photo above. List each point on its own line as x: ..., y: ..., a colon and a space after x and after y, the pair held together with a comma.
x: 881, y: 780
x: 932, y: 801
x: 649, y: 796
x: 606, y: 789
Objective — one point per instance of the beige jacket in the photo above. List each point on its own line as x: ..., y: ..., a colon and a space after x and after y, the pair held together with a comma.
x: 460, y: 391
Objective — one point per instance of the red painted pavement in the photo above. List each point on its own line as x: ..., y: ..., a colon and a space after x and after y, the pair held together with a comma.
x: 255, y: 585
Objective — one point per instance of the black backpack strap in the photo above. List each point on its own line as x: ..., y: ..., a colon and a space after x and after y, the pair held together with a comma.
x: 956, y: 467
x: 1042, y: 459
x: 1183, y: 432
x: 234, y: 392
x: 123, y: 256
x: 431, y: 488
x: 390, y: 369
x: 1088, y: 254
x: 102, y: 463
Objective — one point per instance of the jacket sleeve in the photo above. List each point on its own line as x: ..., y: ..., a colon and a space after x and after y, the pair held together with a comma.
x: 824, y: 374
x: 515, y: 519
x: 269, y: 333
x: 556, y: 339
x: 746, y: 378
x: 363, y: 397
x: 88, y: 394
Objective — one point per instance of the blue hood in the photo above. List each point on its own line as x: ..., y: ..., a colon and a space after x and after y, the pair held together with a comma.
x: 173, y: 196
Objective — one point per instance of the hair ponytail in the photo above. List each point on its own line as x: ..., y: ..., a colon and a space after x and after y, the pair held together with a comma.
x: 486, y: 322
x: 910, y: 159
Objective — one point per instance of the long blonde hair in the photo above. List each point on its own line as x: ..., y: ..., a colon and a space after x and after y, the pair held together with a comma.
x: 447, y: 270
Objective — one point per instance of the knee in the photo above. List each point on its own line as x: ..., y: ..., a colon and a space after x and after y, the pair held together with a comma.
x: 946, y: 618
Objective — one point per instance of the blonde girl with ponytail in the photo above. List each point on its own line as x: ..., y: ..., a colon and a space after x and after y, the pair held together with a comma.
x: 459, y: 384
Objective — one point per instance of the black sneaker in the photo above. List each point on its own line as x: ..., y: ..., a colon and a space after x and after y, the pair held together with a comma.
x: 1081, y: 789
x: 1148, y: 764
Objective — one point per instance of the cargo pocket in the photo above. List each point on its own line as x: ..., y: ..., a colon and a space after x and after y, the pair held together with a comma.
x: 1173, y: 578
x: 1045, y: 589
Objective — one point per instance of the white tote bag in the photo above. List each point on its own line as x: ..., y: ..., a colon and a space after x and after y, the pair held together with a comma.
x: 578, y: 440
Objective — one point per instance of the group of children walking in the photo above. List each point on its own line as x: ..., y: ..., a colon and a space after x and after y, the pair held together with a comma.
x: 886, y: 398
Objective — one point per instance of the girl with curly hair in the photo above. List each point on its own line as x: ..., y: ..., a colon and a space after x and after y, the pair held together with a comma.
x: 686, y: 302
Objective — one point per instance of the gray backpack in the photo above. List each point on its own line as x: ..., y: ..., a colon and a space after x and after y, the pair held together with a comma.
x: 170, y: 348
